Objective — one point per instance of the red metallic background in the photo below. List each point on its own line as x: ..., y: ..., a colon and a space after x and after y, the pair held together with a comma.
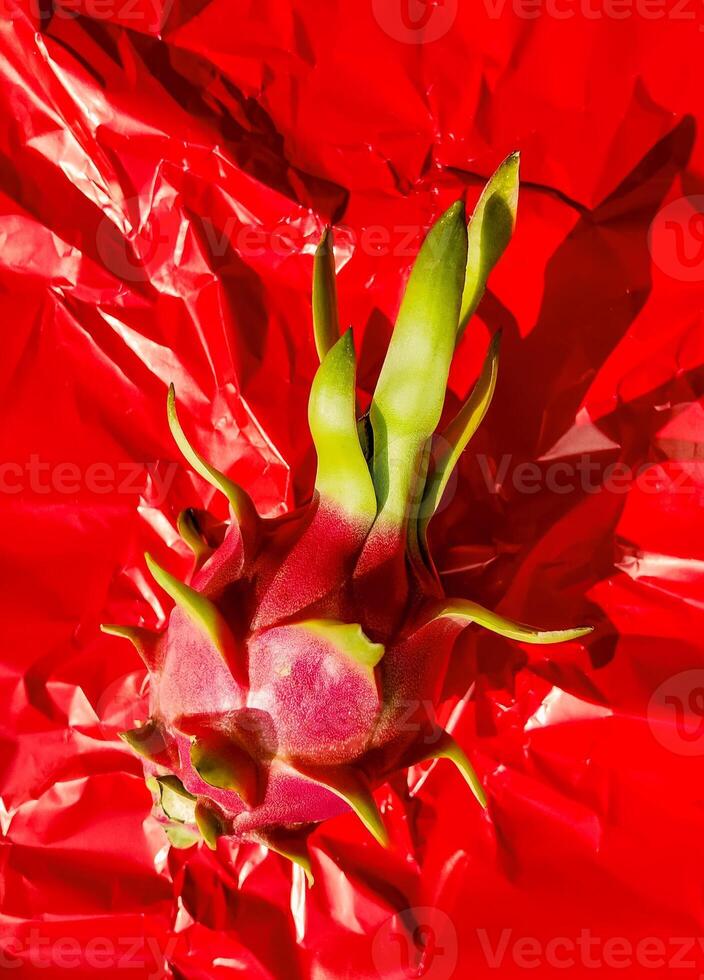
x: 166, y: 173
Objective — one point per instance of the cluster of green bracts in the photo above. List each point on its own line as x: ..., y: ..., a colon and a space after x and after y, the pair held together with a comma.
x: 390, y: 475
x: 407, y: 470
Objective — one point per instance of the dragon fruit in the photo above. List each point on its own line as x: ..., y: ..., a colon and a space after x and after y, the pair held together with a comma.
x: 298, y: 664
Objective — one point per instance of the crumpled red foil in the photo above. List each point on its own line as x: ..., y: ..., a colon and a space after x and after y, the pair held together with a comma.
x: 167, y: 169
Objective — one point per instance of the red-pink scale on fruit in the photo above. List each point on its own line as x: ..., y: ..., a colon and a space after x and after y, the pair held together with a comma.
x: 324, y: 704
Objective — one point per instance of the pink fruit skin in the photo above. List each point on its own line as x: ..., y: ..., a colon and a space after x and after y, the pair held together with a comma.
x: 324, y: 705
x: 308, y: 705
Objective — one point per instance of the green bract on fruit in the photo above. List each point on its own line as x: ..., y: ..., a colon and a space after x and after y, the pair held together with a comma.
x: 283, y: 689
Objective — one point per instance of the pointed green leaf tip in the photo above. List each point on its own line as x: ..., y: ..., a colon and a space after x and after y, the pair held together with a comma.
x: 147, y: 741
x: 348, y: 638
x: 291, y: 846
x: 410, y: 392
x: 326, y: 320
x: 143, y: 640
x: 445, y: 747
x: 222, y: 763
x: 490, y: 230
x: 352, y: 787
x: 191, y: 536
x: 471, y: 612
x: 343, y: 475
x: 203, y: 613
x: 240, y: 501
x: 453, y: 441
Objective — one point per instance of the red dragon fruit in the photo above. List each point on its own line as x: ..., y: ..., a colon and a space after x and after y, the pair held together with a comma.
x: 297, y: 667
